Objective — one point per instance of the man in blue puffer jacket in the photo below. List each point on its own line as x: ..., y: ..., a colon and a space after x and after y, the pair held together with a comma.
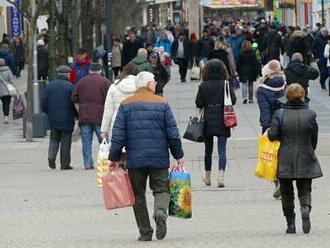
x: 146, y: 127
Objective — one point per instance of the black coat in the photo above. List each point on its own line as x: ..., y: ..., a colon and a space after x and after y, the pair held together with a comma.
x: 186, y: 49
x: 297, y: 72
x: 298, y: 44
x: 298, y: 134
x: 42, y: 62
x: 205, y: 47
x: 210, y: 97
x: 130, y: 50
x: 248, y: 66
x: 161, y: 77
x: 273, y: 45
x: 222, y: 55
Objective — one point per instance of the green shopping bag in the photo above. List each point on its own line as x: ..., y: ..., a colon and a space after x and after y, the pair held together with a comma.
x: 180, y: 193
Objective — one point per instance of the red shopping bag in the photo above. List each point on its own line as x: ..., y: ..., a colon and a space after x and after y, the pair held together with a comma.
x: 117, y: 189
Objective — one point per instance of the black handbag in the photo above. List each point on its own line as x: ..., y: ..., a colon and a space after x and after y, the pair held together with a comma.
x: 195, y: 129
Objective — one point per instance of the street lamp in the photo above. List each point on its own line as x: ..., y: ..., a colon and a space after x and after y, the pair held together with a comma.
x: 107, y: 40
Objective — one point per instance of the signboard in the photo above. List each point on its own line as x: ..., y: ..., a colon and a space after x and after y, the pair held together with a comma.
x: 16, y: 21
x: 220, y: 4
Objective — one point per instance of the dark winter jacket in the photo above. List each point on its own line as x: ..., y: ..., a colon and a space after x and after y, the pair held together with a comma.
x: 236, y: 43
x: 146, y: 127
x: 161, y: 77
x: 90, y: 93
x: 19, y: 54
x: 9, y: 60
x: 298, y: 44
x: 222, y: 55
x: 42, y: 62
x: 273, y: 45
x: 186, y: 49
x: 130, y: 50
x: 56, y: 103
x: 297, y: 72
x: 318, y: 46
x: 298, y: 134
x: 205, y: 47
x: 194, y: 50
x: 269, y: 90
x: 141, y: 63
x: 210, y: 97
x: 248, y: 66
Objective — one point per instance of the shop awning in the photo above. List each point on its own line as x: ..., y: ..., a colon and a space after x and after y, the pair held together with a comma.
x: 226, y: 4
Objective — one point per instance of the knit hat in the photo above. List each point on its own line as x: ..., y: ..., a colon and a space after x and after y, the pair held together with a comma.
x: 143, y: 78
x: 2, y: 62
x: 63, y: 69
x: 95, y: 67
x: 273, y: 66
x: 297, y: 57
x: 142, y: 53
x: 40, y: 43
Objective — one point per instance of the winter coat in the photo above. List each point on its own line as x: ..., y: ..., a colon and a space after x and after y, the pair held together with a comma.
x: 247, y: 66
x: 298, y: 44
x: 194, y: 50
x: 186, y: 49
x: 161, y: 77
x: 9, y: 60
x: 42, y: 62
x: 117, y: 56
x: 236, y: 43
x: 298, y: 134
x: 222, y: 55
x: 297, y: 72
x: 166, y: 44
x: 130, y: 50
x: 146, y: 127
x: 19, y: 54
x: 118, y: 92
x: 56, y: 103
x: 142, y: 64
x: 6, y: 77
x: 273, y: 45
x: 80, y: 70
x: 90, y: 93
x: 210, y: 97
x: 269, y: 90
x: 205, y: 47
x: 318, y: 46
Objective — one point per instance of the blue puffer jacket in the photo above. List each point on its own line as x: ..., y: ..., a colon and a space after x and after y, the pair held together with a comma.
x: 10, y: 61
x: 236, y: 43
x: 268, y: 91
x: 167, y: 44
x: 56, y: 103
x: 146, y: 127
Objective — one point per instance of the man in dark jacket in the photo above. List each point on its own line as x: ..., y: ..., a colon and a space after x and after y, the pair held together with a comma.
x: 146, y: 127
x: 318, y: 53
x: 206, y: 45
x: 8, y: 57
x: 273, y: 45
x: 57, y: 105
x: 42, y: 60
x: 180, y: 55
x: 90, y: 93
x: 298, y: 44
x: 297, y: 72
x: 130, y: 48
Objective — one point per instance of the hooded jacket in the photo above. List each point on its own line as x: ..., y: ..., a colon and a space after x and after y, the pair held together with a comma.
x: 298, y: 44
x: 6, y: 77
x: 269, y: 90
x: 142, y: 64
x: 118, y: 92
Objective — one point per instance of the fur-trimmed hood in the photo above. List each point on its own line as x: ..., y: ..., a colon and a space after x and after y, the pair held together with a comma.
x: 273, y: 82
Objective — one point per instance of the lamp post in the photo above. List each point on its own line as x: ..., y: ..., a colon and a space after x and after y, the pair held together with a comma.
x: 107, y: 40
x: 323, y: 19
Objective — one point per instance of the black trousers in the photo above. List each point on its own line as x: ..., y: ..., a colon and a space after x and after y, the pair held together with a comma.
x: 304, y: 187
x: 158, y: 182
x: 116, y: 71
x: 5, y: 104
x: 60, y: 138
x: 183, y: 68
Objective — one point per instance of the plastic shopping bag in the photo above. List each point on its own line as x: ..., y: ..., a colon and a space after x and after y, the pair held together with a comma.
x: 180, y: 193
x: 102, y: 158
x: 195, y: 72
x: 267, y: 158
x: 19, y: 108
x: 117, y: 189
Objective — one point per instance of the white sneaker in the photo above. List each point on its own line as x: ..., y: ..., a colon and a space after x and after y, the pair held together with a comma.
x: 6, y: 120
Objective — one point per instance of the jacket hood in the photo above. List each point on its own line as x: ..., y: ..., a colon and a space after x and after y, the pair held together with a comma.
x: 139, y: 60
x: 298, y: 33
x: 4, y: 68
x: 127, y: 85
x: 297, y: 68
x: 273, y: 82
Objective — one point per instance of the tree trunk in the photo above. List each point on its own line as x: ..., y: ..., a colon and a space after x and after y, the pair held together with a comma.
x: 75, y: 25
x: 52, y: 40
x: 87, y: 25
x: 62, y: 42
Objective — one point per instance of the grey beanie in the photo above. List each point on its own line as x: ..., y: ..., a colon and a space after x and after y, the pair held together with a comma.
x: 95, y: 67
x: 63, y: 69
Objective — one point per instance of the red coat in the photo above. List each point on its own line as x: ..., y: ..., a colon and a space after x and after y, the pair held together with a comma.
x: 90, y: 93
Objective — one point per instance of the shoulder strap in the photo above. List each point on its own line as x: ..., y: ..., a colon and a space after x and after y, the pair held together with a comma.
x: 227, y: 97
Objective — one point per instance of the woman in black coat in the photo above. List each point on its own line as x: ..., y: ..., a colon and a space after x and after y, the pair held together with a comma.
x: 297, y: 129
x: 159, y: 71
x: 248, y: 69
x: 210, y: 98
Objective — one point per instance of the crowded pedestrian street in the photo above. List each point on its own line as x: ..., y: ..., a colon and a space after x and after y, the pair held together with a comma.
x: 44, y: 208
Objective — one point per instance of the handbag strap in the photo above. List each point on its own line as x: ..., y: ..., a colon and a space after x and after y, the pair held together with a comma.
x: 227, y: 97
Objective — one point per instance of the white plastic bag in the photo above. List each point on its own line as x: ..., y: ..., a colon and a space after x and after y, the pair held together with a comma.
x: 101, y: 161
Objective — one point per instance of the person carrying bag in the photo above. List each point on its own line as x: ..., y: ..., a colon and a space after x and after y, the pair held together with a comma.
x: 195, y: 128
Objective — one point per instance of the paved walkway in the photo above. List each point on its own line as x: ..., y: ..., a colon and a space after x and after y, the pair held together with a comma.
x: 43, y: 208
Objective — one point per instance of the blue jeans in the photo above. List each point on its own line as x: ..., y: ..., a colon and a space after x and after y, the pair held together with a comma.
x: 87, y: 131
x: 322, y: 64
x: 222, y: 144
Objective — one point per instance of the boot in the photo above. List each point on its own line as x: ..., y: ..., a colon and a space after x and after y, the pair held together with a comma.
x: 221, y: 179
x: 6, y: 120
x: 207, y: 178
x: 161, y: 229
x: 291, y: 222
x: 306, y: 222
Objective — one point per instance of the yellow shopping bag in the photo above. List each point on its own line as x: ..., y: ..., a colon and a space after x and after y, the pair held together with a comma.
x: 267, y: 158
